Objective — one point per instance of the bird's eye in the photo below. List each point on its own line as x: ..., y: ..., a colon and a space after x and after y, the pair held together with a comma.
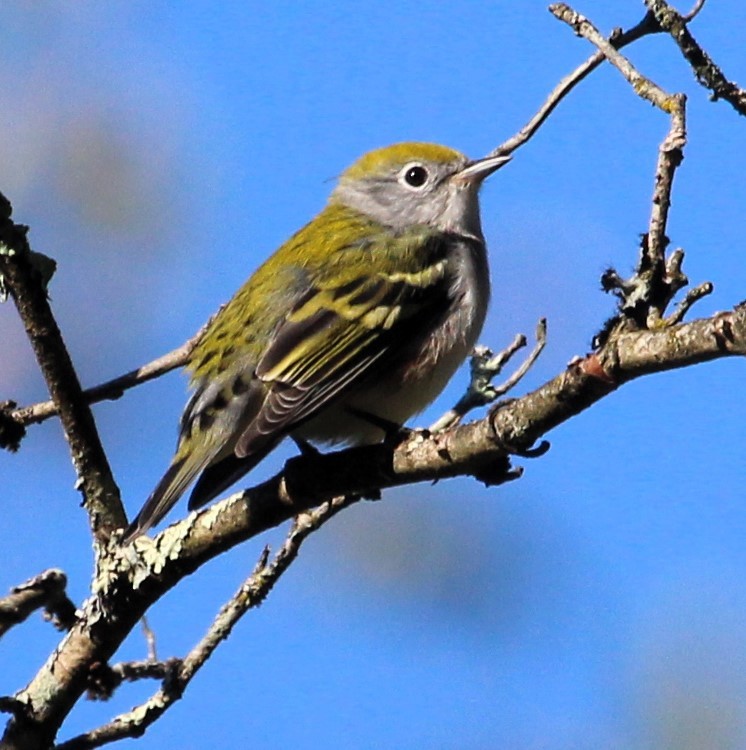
x: 415, y: 176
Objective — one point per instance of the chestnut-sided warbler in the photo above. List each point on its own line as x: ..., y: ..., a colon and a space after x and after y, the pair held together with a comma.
x: 360, y: 317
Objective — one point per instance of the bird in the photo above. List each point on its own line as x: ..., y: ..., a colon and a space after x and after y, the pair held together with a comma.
x: 358, y: 321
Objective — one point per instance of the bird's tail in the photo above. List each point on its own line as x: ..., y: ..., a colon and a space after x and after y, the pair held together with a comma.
x: 219, y: 476
x: 213, y: 480
x: 171, y: 487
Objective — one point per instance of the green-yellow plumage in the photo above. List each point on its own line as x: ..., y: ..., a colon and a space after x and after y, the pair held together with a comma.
x: 315, y: 251
x: 368, y: 308
x: 380, y: 161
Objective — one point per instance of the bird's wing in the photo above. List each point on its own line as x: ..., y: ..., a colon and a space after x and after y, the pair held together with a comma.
x: 334, y: 337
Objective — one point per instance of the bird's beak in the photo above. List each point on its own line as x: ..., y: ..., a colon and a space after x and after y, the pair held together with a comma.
x: 479, y: 169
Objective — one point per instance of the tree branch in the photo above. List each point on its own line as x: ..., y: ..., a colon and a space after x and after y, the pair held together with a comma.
x: 656, y: 281
x: 485, y: 366
x: 95, y: 480
x: 115, y: 388
x: 619, y: 39
x: 111, y: 389
x: 136, y: 578
x: 178, y: 673
x: 707, y: 73
x: 479, y: 449
x: 46, y: 590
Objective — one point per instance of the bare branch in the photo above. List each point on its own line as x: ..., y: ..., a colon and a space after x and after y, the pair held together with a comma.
x: 484, y: 367
x: 131, y: 671
x: 103, y: 680
x: 620, y: 39
x: 46, y: 590
x: 583, y: 27
x: 694, y: 12
x: 13, y: 420
x: 652, y: 267
x: 115, y: 388
x: 177, y: 674
x: 707, y: 73
x: 140, y: 574
x: 100, y: 493
x: 468, y: 449
x: 692, y: 296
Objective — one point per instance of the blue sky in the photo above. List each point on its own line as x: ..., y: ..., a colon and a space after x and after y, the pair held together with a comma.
x: 160, y: 151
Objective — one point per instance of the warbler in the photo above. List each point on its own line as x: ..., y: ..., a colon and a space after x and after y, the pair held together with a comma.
x: 358, y: 320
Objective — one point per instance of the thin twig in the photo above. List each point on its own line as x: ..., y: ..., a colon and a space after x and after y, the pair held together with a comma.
x: 670, y: 156
x: 484, y: 367
x: 693, y: 295
x: 707, y: 73
x: 130, y: 671
x: 694, y: 12
x: 583, y: 27
x: 670, y: 152
x: 620, y: 39
x: 115, y: 388
x: 178, y: 674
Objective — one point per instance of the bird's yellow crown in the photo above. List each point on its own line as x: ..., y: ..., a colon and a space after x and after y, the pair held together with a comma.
x: 382, y: 159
